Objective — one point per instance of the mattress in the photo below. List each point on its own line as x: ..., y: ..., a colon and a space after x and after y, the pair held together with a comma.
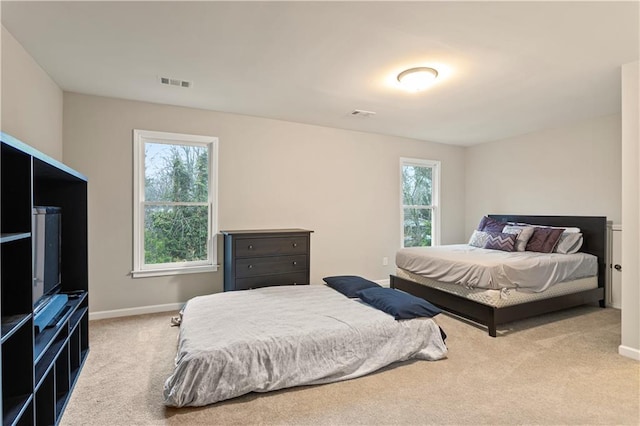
x: 503, y: 297
x: 271, y: 338
x: 474, y: 267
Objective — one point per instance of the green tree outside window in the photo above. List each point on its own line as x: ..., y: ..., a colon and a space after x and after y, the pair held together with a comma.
x: 176, y: 211
x: 418, y: 203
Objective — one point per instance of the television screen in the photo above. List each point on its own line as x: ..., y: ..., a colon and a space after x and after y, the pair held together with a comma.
x: 46, y: 252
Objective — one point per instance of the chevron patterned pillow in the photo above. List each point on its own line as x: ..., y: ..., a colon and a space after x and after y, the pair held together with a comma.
x: 500, y: 241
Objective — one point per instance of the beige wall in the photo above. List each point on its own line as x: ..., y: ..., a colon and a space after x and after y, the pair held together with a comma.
x: 31, y: 100
x: 630, y: 300
x: 572, y: 170
x: 341, y: 184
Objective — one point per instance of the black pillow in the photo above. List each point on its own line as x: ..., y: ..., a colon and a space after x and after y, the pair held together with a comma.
x: 398, y: 303
x: 349, y: 284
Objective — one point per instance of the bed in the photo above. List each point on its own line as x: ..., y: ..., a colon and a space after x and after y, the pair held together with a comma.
x: 494, y: 304
x: 271, y: 338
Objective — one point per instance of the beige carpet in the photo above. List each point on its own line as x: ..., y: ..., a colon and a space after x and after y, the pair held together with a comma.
x: 558, y: 369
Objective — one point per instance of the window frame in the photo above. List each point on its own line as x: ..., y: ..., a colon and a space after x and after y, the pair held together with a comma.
x: 435, y: 196
x: 140, y: 269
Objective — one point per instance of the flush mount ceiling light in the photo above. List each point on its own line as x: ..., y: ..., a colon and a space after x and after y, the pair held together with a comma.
x: 416, y: 79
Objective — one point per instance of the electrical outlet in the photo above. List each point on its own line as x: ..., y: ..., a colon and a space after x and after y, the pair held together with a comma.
x: 385, y: 261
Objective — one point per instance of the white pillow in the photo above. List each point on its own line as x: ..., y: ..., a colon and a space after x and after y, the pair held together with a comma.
x: 569, y: 242
x: 523, y: 233
x: 568, y: 230
x: 478, y: 238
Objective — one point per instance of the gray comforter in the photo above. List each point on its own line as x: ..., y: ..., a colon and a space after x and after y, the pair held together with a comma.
x: 276, y: 337
x: 475, y: 267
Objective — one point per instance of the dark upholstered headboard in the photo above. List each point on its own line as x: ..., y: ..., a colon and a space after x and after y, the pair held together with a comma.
x: 594, y: 232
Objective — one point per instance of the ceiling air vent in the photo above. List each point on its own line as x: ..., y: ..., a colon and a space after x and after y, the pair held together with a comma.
x: 362, y: 113
x: 175, y: 82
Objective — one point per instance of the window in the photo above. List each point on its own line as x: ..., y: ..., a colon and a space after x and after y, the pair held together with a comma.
x: 175, y: 203
x: 420, y: 222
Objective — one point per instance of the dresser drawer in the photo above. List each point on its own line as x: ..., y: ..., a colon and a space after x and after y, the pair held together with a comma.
x: 270, y: 280
x: 274, y: 246
x: 265, y: 257
x: 251, y: 267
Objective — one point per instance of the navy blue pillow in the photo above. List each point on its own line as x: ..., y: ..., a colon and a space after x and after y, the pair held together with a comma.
x: 349, y: 285
x: 398, y: 303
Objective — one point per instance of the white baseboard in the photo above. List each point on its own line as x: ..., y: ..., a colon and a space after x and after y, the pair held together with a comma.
x: 141, y: 310
x: 632, y: 353
x: 135, y: 311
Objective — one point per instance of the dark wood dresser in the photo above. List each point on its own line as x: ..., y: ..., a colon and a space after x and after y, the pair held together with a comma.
x: 266, y: 257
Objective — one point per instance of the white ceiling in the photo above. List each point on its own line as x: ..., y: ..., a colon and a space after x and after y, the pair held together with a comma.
x: 506, y: 68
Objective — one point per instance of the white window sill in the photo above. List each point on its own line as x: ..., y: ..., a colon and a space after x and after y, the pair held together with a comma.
x: 177, y: 271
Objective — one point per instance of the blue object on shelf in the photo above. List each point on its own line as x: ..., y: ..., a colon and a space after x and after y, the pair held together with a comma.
x: 50, y: 311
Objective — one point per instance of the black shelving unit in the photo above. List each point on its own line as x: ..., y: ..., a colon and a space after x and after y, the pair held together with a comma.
x: 40, y: 368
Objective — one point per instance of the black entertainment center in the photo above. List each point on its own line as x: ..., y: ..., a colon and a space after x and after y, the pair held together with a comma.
x: 44, y: 284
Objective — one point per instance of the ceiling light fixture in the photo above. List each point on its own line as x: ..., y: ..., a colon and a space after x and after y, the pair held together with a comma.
x: 416, y: 79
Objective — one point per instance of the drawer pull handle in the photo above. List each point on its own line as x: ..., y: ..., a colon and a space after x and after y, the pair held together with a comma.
x: 250, y: 266
x: 294, y: 245
x: 295, y: 263
x: 250, y: 247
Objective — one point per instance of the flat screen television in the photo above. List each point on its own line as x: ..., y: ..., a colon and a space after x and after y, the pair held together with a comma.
x: 47, y: 228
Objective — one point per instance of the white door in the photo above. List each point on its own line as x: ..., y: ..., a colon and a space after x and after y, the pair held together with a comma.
x: 616, y: 266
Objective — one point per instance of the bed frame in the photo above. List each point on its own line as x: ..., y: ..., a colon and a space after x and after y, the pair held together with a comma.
x: 593, y: 229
